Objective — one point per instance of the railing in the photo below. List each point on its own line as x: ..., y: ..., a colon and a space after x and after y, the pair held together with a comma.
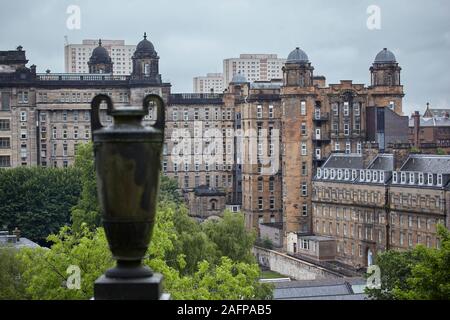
x: 80, y: 77
x: 321, y: 117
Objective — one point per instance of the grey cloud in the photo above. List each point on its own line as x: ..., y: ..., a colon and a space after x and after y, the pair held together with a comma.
x: 193, y: 37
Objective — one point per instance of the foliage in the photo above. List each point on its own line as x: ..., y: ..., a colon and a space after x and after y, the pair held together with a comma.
x: 420, y: 273
x: 441, y: 152
x: 45, y: 270
x: 265, y: 243
x: 11, y: 286
x: 37, y: 200
x: 415, y: 150
x: 87, y: 210
x: 231, y: 237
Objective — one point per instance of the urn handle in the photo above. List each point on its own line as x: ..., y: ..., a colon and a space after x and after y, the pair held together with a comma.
x: 160, y: 110
x: 95, y: 110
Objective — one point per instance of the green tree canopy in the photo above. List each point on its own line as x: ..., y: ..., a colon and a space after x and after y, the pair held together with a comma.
x: 37, y: 200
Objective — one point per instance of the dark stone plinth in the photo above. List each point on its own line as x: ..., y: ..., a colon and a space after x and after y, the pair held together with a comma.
x: 149, y: 288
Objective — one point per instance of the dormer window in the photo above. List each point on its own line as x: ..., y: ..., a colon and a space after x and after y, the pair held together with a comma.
x: 375, y: 176
x: 354, y: 174
x: 333, y: 174
x: 395, y: 177
x: 420, y: 178
x: 361, y: 175
x: 325, y: 174
x: 403, y: 178
x: 381, y: 176
x: 347, y: 174
x: 319, y: 173
x: 430, y: 179
x: 368, y: 175
x: 411, y: 178
x: 339, y: 174
x: 439, y: 180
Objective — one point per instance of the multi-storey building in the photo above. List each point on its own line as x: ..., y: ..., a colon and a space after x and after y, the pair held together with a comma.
x: 430, y: 132
x: 212, y: 83
x: 317, y: 119
x: 254, y: 67
x: 44, y: 117
x: 368, y: 204
x: 76, y: 56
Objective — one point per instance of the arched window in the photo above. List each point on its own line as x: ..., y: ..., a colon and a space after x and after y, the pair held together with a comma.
x: 213, y: 204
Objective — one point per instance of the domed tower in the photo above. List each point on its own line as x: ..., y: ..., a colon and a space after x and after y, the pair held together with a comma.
x: 298, y: 70
x: 385, y: 81
x: 385, y: 70
x: 146, y: 62
x: 100, y: 61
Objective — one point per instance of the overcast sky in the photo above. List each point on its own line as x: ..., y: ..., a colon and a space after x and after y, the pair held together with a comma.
x: 192, y: 37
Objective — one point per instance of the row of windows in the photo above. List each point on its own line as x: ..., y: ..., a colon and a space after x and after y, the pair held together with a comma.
x: 226, y: 115
x: 375, y: 176
x: 417, y: 178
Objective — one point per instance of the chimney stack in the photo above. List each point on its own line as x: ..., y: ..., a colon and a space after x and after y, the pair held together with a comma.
x: 17, y: 233
x: 416, y: 130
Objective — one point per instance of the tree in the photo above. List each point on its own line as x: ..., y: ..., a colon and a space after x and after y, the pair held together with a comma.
x: 87, y: 209
x: 45, y: 270
x: 37, y: 200
x: 231, y: 237
x: 419, y: 273
x: 11, y: 286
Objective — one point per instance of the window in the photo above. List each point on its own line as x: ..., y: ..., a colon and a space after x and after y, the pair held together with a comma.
x: 337, y: 146
x: 271, y: 112
x: 430, y: 179
x: 23, y: 134
x: 5, y: 125
x: 395, y: 177
x: 196, y: 117
x: 65, y: 150
x: 75, y: 133
x: 22, y: 97
x: 64, y: 134
x: 304, y: 149
x: 259, y: 111
x: 303, y: 129
x: 335, y: 108
x: 175, y: 115
x: 346, y: 129
x: 354, y: 174
x: 439, y: 179
x: 304, y: 169
x: 272, y: 203
x: 5, y: 143
x: 5, y: 101
x: 421, y: 178
x: 23, y: 116
x: 5, y: 161
x: 346, y: 109
x: 411, y: 178
x: 356, y: 110
x: 186, y: 115
x: 260, y: 185
x: 403, y: 177
x: 358, y: 148
x: 87, y: 133
x: 305, y: 210
x: 304, y: 189
x: 303, y: 108
x: 260, y: 203
x: 348, y: 147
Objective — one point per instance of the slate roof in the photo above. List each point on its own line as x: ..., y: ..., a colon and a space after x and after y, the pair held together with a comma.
x: 344, y: 161
x: 321, y: 289
x: 383, y: 162
x: 428, y: 164
x: 385, y: 56
x: 431, y: 122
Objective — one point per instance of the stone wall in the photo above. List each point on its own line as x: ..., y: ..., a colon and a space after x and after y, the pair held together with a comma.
x: 291, y: 267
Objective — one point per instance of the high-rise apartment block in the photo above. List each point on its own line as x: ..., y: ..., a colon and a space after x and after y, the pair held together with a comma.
x: 76, y: 56
x: 254, y: 67
x: 211, y: 83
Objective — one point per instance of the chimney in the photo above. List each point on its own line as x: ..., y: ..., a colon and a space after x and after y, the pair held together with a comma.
x: 400, y: 156
x: 17, y: 233
x: 416, y: 129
